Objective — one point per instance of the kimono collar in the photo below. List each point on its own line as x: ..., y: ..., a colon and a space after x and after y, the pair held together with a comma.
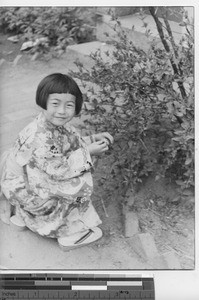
x: 49, y: 126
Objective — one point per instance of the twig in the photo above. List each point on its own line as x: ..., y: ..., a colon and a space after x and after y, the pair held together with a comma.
x: 155, y: 212
x: 176, y: 250
x: 143, y: 144
x: 102, y: 201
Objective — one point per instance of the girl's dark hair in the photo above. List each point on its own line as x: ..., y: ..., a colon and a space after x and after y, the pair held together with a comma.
x: 58, y: 83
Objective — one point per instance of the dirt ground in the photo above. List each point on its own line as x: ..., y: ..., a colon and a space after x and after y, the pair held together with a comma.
x: 8, y: 50
x: 171, y: 223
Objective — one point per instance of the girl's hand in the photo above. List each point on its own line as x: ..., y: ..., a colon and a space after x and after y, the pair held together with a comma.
x: 104, y: 136
x: 98, y: 148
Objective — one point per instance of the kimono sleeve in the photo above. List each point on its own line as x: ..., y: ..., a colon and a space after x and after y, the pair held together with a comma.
x: 63, y: 167
x: 23, y: 147
x: 87, y: 139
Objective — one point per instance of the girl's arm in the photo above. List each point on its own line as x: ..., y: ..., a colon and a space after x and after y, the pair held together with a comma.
x: 65, y: 167
x: 78, y: 162
x: 35, y: 152
x: 87, y: 139
x: 62, y: 167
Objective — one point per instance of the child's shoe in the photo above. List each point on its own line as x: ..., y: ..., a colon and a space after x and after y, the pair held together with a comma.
x: 80, y: 239
x: 17, y: 223
x: 5, y: 210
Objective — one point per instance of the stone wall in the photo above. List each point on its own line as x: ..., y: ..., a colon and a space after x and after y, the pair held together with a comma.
x: 118, y: 11
x: 174, y: 13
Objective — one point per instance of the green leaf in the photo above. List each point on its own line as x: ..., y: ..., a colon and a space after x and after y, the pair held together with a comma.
x: 161, y: 97
x: 113, y: 95
x: 179, y: 132
x: 157, y: 177
x: 177, y: 139
x: 189, y: 137
x: 130, y: 144
x: 188, y: 161
x: 179, y: 182
x: 176, y: 199
x: 187, y: 192
x: 170, y: 107
x: 89, y: 106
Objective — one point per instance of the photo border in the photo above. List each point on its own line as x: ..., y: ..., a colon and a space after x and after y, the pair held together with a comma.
x: 168, y: 284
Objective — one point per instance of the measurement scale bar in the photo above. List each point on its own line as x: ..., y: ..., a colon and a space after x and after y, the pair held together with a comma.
x: 56, y: 283
x: 70, y: 286
x: 89, y: 288
x: 110, y: 285
x: 120, y: 283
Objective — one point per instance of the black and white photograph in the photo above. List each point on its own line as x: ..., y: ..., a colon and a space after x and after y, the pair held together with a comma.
x: 97, y: 138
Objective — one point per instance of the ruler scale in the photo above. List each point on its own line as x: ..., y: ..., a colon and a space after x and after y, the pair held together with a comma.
x: 73, y: 286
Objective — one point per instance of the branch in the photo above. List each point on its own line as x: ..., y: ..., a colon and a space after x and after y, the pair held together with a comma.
x: 167, y: 48
x: 159, y: 27
x: 168, y: 28
x: 143, y: 144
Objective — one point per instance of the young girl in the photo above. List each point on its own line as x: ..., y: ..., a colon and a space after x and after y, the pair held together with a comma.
x: 47, y: 174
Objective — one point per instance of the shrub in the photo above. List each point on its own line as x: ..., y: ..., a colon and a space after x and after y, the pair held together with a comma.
x: 61, y: 25
x: 147, y: 106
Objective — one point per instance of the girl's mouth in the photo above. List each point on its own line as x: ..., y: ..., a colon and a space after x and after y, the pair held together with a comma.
x: 61, y: 118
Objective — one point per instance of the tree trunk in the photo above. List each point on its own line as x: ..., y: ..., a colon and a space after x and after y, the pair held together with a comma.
x: 176, y: 70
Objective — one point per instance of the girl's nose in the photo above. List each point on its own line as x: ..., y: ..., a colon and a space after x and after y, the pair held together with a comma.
x: 61, y: 109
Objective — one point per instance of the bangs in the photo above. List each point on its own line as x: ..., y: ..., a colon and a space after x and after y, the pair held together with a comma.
x: 62, y: 85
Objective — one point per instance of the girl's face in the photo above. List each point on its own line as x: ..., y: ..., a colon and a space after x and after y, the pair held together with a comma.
x: 60, y: 108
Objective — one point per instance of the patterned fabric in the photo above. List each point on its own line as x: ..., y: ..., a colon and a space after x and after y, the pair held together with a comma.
x: 47, y: 177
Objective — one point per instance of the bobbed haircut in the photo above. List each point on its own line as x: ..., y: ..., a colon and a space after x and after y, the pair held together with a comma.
x: 58, y: 83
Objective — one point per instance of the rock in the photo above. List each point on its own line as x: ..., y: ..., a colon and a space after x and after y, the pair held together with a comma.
x: 130, y: 196
x: 17, y: 58
x: 27, y: 45
x: 30, y: 44
x: 2, y: 61
x: 13, y: 39
x: 172, y: 260
x: 159, y: 262
x: 131, y: 223
x: 144, y: 245
x: 35, y: 56
x: 5, y: 210
x: 41, y: 40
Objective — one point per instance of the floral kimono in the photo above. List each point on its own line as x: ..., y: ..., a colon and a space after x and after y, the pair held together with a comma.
x: 47, y: 177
